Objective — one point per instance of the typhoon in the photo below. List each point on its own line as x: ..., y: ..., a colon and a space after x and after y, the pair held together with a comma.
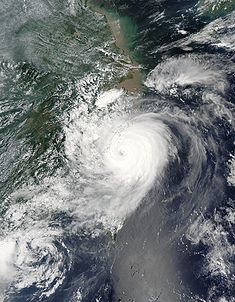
x: 117, y: 151
x: 127, y: 154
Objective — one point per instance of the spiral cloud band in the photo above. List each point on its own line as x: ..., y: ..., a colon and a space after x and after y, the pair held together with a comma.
x: 127, y: 154
x: 137, y: 150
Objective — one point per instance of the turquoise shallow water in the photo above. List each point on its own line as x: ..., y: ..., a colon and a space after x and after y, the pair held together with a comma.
x: 107, y: 195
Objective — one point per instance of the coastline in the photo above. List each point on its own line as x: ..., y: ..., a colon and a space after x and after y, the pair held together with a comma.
x: 132, y: 82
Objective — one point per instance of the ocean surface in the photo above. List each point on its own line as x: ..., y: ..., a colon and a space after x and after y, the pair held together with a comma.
x: 117, y: 165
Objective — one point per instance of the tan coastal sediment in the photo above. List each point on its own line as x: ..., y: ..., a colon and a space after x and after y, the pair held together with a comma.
x: 133, y: 81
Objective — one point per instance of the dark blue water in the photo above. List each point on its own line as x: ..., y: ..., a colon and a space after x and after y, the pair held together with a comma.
x: 59, y: 240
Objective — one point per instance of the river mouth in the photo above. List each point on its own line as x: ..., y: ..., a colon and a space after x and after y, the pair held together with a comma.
x: 132, y: 81
x: 116, y: 157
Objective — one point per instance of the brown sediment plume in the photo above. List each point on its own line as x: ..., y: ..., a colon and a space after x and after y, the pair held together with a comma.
x: 132, y: 83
